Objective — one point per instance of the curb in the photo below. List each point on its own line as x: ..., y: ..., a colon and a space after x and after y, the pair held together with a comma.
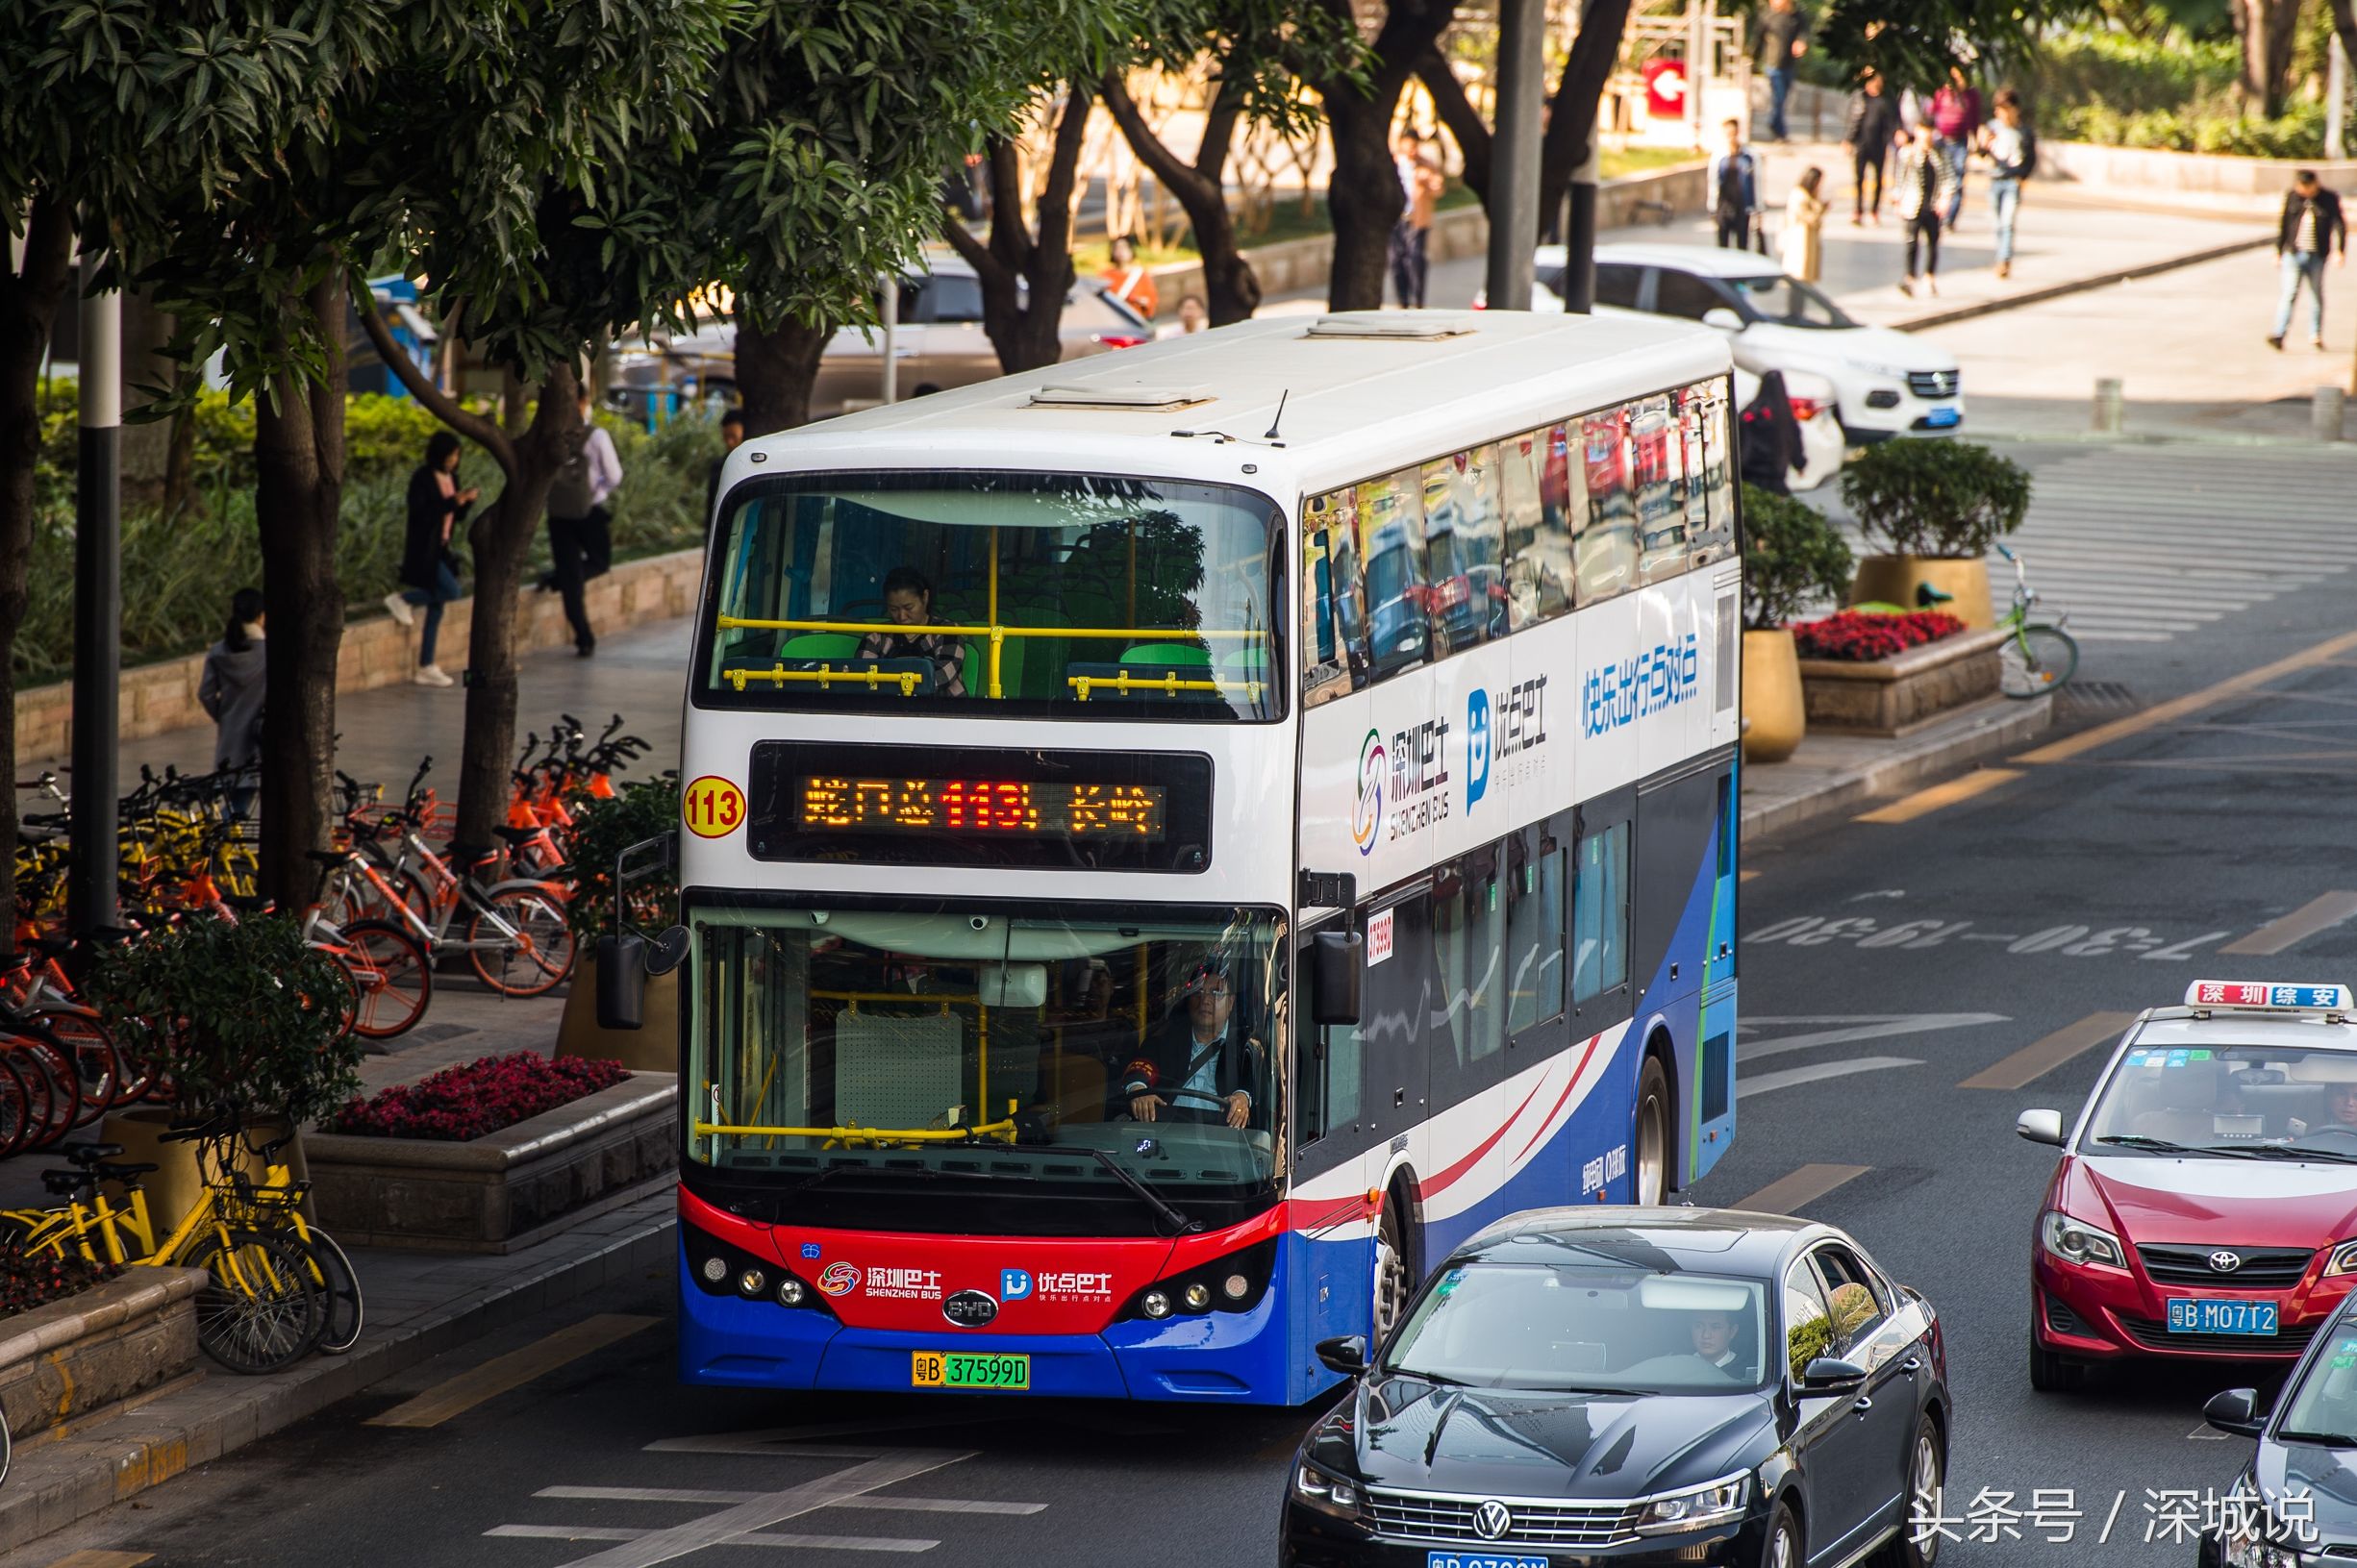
x: 2080, y: 286
x: 54, y: 1483
x: 1998, y: 731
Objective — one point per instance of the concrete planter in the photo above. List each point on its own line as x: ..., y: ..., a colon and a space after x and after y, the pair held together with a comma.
x: 506, y: 1191
x: 653, y: 1049
x: 1895, y: 696
x: 1773, y: 716
x: 105, y: 1345
x: 1892, y: 580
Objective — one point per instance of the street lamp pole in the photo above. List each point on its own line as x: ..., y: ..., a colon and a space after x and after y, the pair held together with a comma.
x: 1513, y: 159
x: 98, y: 606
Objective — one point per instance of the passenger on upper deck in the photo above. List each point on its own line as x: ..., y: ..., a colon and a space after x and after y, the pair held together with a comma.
x: 908, y: 601
x: 1197, y: 1058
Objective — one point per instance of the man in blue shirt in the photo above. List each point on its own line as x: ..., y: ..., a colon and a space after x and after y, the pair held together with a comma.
x: 1199, y: 1066
x: 1735, y: 191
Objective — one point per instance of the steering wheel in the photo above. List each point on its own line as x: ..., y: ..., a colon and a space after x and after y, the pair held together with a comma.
x: 1208, y: 1095
x: 2339, y: 1130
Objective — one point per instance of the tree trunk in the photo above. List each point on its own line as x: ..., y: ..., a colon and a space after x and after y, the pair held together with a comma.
x: 775, y: 372
x: 180, y: 464
x: 1464, y: 121
x: 500, y: 539
x: 1572, y: 113
x: 2269, y: 30
x: 298, y: 498
x: 1231, y: 289
x: 1028, y: 333
x: 1362, y: 196
x: 28, y: 303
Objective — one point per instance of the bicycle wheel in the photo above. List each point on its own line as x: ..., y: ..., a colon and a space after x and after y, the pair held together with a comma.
x: 340, y: 1283
x: 97, y: 1063
x: 40, y: 1095
x: 16, y: 1113
x: 534, y: 951
x: 264, y: 1306
x: 35, y: 1049
x: 352, y: 898
x: 393, y: 974
x: 2036, y: 659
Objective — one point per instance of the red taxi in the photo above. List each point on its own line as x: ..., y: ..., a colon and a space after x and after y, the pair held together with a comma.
x: 2205, y: 1206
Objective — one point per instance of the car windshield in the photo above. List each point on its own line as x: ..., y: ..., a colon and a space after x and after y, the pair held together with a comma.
x: 2323, y: 1408
x: 2229, y: 1100
x: 1544, y: 1325
x: 928, y: 1040
x: 983, y: 594
x: 1788, y: 302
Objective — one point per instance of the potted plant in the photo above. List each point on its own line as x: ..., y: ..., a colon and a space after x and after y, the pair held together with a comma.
x: 639, y: 810
x: 243, y: 1014
x: 1792, y: 558
x: 1933, y: 508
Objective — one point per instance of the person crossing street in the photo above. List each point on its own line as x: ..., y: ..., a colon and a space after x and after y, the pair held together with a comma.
x: 2313, y: 227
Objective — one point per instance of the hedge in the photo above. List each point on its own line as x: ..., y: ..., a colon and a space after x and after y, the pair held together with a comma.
x: 180, y: 571
x: 2173, y: 93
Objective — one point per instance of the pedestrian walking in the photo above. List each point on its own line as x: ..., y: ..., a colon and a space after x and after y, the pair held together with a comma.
x: 1784, y: 37
x: 731, y: 437
x: 1421, y: 184
x: 2313, y: 227
x: 1873, y: 120
x: 1126, y: 280
x: 231, y: 689
x: 2012, y: 147
x: 580, y: 529
x: 1955, y: 120
x: 1735, y: 191
x: 1193, y: 314
x: 1804, y: 223
x: 1921, y: 179
x: 436, y: 506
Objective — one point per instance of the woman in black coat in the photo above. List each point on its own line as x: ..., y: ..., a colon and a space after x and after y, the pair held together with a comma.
x: 1771, y: 437
x: 436, y: 507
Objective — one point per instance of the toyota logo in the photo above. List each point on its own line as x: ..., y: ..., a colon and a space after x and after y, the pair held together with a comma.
x: 2225, y: 1262
x: 1491, y: 1521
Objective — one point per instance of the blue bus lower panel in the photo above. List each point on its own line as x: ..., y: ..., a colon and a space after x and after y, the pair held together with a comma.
x: 1240, y: 1357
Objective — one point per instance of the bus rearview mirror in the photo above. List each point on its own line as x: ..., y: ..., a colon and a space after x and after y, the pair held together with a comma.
x: 621, y: 981
x: 1335, y: 978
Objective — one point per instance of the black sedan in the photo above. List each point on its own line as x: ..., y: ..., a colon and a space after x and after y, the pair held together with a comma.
x: 1633, y: 1386
x: 2297, y: 1501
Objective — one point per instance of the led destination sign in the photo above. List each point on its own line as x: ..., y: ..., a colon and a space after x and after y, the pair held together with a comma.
x: 1135, y: 814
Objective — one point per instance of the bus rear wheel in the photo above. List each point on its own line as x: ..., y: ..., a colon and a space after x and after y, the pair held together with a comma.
x: 1394, y: 1270
x: 1650, y: 1136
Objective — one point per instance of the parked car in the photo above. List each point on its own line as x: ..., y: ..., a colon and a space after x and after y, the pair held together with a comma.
x: 1638, y: 1386
x: 1887, y: 383
x: 2204, y: 1203
x: 2307, y: 1448
x: 939, y: 343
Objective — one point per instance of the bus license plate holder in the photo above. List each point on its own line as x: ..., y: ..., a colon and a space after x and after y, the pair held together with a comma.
x: 2212, y: 1315
x: 987, y: 1370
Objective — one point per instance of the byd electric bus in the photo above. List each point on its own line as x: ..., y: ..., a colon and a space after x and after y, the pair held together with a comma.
x: 1175, y: 841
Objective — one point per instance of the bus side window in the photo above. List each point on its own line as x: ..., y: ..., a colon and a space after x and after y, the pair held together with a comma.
x: 1326, y: 1074
x: 1333, y: 604
x: 1605, y: 548
x: 1535, y: 497
x: 1717, y: 479
x: 1600, y: 914
x: 1462, y: 546
x: 1534, y: 930
x: 1391, y: 531
x: 1660, y: 485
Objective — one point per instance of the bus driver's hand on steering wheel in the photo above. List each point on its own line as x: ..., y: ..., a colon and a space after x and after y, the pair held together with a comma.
x: 1240, y: 1109
x: 1143, y: 1106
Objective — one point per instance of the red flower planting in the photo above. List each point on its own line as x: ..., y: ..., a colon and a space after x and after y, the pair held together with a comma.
x: 477, y: 1097
x: 1859, y: 636
x: 27, y: 1282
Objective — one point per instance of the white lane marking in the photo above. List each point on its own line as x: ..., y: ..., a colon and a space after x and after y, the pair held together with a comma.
x: 1766, y: 1082
x: 2205, y: 1434
x: 675, y: 1494
x: 769, y: 1509
x: 846, y: 1429
x: 1871, y: 1028
x: 807, y: 1543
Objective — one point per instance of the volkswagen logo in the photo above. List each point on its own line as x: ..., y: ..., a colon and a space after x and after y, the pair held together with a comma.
x: 2225, y: 1262
x: 971, y: 1309
x: 1491, y: 1521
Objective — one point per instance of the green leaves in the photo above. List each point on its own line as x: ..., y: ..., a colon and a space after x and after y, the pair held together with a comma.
x: 1936, y: 497
x: 1792, y: 559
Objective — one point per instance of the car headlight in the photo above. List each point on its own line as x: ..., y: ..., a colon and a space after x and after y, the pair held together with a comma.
x: 2075, y: 1241
x: 1885, y: 372
x: 1697, y: 1508
x: 2343, y: 1259
x: 1325, y: 1491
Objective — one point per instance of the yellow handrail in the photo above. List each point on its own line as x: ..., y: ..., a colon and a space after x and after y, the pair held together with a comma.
x: 827, y: 675
x: 1127, y: 683
x: 861, y: 1135
x: 1167, y: 633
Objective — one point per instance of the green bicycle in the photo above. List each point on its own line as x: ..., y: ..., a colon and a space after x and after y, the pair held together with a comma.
x: 2038, y: 655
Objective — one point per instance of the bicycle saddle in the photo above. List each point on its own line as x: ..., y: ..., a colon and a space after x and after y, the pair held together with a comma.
x: 518, y: 837
x: 89, y: 1154
x: 64, y: 1183
x: 121, y: 1173
x: 326, y: 856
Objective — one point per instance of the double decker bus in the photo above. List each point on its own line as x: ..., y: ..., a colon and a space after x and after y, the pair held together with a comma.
x: 1177, y: 840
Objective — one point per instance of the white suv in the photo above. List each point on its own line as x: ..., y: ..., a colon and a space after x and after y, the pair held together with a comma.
x: 1888, y: 384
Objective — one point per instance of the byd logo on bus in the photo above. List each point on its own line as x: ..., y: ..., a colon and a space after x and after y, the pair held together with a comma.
x: 1628, y: 690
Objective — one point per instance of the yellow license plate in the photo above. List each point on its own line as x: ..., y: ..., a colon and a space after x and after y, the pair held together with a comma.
x: 959, y: 1369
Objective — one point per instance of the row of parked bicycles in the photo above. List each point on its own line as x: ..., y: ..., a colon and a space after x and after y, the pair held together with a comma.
x: 395, y: 899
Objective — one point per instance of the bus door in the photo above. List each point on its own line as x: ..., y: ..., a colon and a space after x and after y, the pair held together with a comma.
x: 1402, y: 997
x: 1333, y: 1133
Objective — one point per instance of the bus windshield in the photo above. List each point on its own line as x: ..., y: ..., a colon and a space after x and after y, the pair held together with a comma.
x: 998, y: 593
x: 963, y: 1039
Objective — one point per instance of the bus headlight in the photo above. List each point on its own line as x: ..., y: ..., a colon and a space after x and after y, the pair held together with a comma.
x: 1156, y: 1304
x: 1197, y: 1296
x: 752, y: 1282
x: 715, y: 1269
x: 790, y: 1291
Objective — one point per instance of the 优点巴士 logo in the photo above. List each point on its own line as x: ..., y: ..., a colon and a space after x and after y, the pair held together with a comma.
x: 1476, y: 747
x: 1366, y: 819
x: 839, y: 1278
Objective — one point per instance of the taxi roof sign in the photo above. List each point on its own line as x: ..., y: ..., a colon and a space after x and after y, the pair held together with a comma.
x: 2266, y: 994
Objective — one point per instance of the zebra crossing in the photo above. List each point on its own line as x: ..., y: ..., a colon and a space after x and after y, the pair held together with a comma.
x: 2142, y: 544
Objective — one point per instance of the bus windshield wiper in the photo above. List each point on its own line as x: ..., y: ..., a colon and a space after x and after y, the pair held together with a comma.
x: 1180, y: 1225
x: 2162, y: 1146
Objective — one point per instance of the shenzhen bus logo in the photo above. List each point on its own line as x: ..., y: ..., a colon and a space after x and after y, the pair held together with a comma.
x: 839, y: 1278
x: 1367, y: 819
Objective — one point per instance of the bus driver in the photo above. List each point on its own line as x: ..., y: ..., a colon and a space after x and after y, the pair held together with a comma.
x: 908, y: 601
x: 1197, y: 1051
